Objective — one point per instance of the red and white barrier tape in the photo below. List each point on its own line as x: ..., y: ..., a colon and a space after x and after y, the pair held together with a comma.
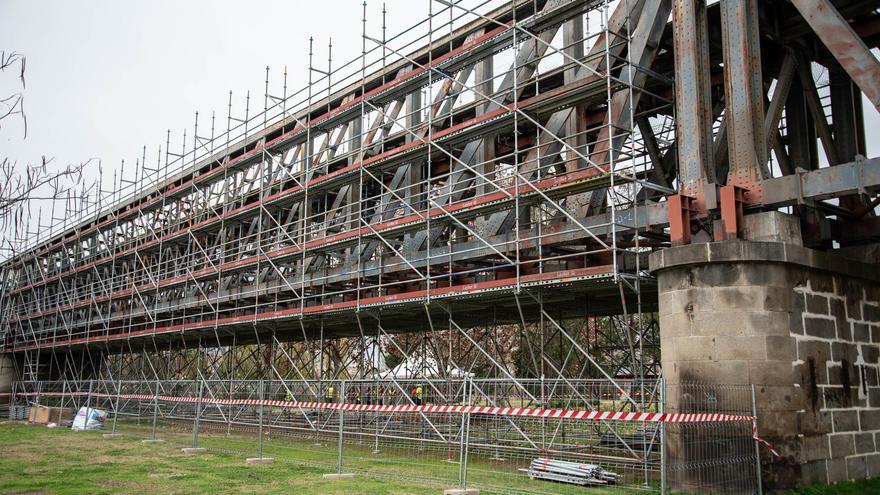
x: 758, y: 439
x: 573, y: 414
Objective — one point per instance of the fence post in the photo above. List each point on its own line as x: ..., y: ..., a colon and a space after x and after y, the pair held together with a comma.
x: 155, y: 411
x: 757, y: 445
x: 61, y: 405
x: 88, y: 404
x: 12, y: 416
x: 465, y: 435
x: 116, y: 404
x: 320, y: 396
x: 662, y: 409
x: 341, y: 422
x: 379, y: 400
x: 543, y: 403
x: 198, y: 414
x: 39, y: 393
x: 260, y: 430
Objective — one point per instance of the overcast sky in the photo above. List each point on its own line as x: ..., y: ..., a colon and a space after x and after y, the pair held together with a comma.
x: 106, y: 77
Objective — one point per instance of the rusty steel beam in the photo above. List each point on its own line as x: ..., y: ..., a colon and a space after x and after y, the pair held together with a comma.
x: 693, y: 94
x: 859, y: 177
x: 780, y: 95
x: 744, y: 92
x: 846, y: 46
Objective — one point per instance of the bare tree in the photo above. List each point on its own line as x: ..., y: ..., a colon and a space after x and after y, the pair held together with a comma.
x: 21, y: 186
x: 14, y: 103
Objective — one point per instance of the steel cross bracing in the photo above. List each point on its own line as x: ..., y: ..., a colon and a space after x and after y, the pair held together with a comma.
x: 496, y: 190
x: 441, y: 211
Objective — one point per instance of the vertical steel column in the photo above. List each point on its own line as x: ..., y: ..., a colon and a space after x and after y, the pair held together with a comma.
x: 800, y: 129
x: 483, y: 81
x: 849, y: 129
x: 693, y: 95
x: 847, y: 115
x: 743, y: 92
x: 573, y: 49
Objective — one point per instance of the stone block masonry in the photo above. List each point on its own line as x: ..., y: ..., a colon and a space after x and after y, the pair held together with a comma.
x: 837, y: 365
x: 802, y: 326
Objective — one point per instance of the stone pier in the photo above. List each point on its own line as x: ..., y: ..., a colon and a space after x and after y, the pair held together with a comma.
x: 803, y: 326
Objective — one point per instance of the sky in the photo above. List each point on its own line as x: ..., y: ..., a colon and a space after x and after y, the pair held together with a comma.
x: 105, y: 78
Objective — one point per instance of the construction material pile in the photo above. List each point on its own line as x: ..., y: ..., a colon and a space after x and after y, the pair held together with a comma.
x: 89, y: 418
x: 570, y: 472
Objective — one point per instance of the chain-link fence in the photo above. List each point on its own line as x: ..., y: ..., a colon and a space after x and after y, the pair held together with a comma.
x: 502, y: 436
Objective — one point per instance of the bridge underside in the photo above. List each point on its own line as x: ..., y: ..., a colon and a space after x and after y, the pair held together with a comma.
x: 485, y: 202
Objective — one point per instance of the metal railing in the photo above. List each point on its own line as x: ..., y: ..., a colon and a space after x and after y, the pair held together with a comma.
x: 492, y: 434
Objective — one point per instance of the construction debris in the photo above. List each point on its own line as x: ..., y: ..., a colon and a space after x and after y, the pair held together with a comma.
x: 569, y: 472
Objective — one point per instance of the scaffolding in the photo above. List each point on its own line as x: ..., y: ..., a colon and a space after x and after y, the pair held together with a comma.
x: 402, y: 191
x: 460, y: 216
x: 452, y: 435
x: 482, y: 206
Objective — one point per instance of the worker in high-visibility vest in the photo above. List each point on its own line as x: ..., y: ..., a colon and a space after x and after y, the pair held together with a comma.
x: 418, y: 398
x: 330, y: 393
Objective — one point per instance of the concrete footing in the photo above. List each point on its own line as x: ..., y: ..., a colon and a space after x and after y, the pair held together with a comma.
x: 338, y: 476
x: 462, y: 491
x: 157, y: 440
x: 111, y: 435
x: 259, y: 460
x: 193, y: 450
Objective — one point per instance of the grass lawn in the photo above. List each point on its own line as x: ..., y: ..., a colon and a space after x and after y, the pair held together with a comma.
x: 36, y: 459
x: 58, y: 461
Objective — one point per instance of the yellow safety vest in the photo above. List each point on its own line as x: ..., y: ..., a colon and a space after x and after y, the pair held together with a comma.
x: 330, y: 392
x: 419, y: 392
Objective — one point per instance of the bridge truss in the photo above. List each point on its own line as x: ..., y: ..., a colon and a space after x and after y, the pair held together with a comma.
x: 482, y: 204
